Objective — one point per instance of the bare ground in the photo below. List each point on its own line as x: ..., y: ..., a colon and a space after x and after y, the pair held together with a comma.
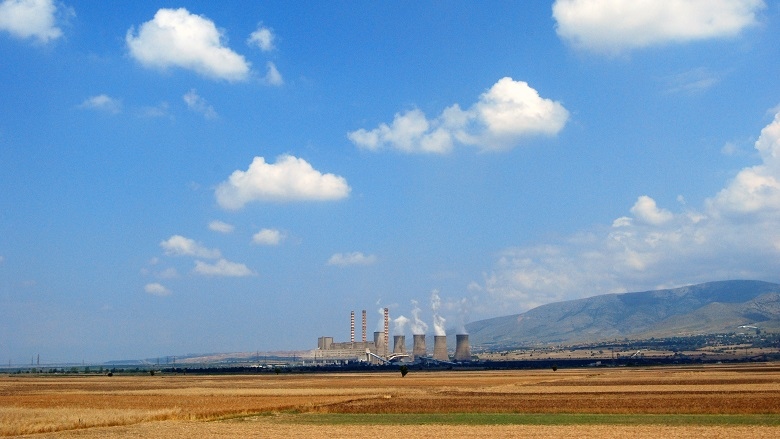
x: 225, y: 406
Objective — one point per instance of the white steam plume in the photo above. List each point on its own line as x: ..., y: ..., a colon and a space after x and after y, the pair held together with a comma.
x: 465, y: 308
x: 399, y: 325
x: 438, y: 321
x: 380, y: 324
x: 418, y: 326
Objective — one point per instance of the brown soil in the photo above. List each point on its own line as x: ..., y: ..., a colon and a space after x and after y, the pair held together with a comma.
x: 175, y: 406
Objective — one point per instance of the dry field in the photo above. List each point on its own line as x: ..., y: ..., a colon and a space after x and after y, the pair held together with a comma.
x: 310, y: 405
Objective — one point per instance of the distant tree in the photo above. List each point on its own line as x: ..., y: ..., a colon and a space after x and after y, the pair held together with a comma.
x: 554, y: 367
x: 404, y: 370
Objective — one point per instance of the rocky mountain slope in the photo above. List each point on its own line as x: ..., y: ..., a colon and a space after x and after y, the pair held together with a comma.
x: 714, y: 307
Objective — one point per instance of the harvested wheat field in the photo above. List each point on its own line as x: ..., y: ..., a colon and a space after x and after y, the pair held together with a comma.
x: 727, y: 401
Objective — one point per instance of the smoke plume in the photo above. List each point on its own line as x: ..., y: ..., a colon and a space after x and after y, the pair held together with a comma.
x: 380, y: 324
x: 418, y: 326
x: 399, y: 325
x: 438, y: 321
x: 465, y: 309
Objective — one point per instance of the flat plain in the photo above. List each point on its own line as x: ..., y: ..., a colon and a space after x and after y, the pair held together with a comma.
x: 716, y: 401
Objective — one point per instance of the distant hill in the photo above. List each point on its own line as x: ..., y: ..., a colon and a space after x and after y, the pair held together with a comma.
x: 714, y: 307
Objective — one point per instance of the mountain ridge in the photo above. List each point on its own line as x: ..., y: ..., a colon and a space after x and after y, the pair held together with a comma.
x: 712, y: 307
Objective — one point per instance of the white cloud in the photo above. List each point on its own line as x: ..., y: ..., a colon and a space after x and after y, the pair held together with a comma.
x: 755, y: 190
x: 691, y: 82
x: 221, y: 227
x: 178, y: 245
x: 354, y: 258
x: 646, y: 210
x: 504, y: 115
x: 157, y: 289
x: 263, y: 38
x: 102, y: 102
x: 730, y: 148
x: 615, y: 26
x: 177, y: 38
x: 199, y: 105
x: 30, y: 19
x: 160, y: 110
x: 734, y: 235
x: 168, y: 273
x: 2, y: 259
x: 273, y: 77
x: 289, y: 179
x: 268, y: 237
x: 222, y: 268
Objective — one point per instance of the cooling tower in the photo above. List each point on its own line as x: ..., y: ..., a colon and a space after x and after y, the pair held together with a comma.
x: 379, y: 342
x: 419, y: 350
x: 462, y: 348
x: 399, y: 344
x: 440, y: 348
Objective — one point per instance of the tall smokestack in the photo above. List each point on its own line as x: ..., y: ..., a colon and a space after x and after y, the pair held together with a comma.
x: 364, y: 326
x: 462, y: 348
x: 440, y: 348
x: 399, y: 344
x: 352, y: 327
x: 387, y: 330
x: 418, y: 350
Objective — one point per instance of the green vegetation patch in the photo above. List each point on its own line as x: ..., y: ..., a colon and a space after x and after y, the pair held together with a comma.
x: 530, y: 419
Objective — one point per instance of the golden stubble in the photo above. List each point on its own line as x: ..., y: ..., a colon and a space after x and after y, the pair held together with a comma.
x: 58, y: 404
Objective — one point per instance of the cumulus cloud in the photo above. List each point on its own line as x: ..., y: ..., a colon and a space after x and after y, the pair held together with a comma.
x: 30, y: 19
x: 221, y: 227
x: 263, y: 38
x: 289, y: 179
x: 222, y: 267
x: 354, y: 258
x: 755, y: 191
x: 615, y: 26
x: 272, y: 76
x: 178, y: 245
x: 102, y: 102
x: 504, y: 115
x: 735, y: 234
x: 268, y: 237
x: 177, y: 38
x: 645, y: 209
x: 157, y: 289
x: 199, y: 105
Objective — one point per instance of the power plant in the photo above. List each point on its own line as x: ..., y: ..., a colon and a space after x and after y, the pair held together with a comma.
x: 399, y: 344
x: 462, y: 348
x: 418, y: 349
x: 378, y: 351
x: 440, y: 348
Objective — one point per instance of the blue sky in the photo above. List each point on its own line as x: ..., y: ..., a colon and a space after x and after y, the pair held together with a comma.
x: 202, y: 177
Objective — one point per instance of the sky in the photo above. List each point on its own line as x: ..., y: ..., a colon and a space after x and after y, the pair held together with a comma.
x: 201, y: 177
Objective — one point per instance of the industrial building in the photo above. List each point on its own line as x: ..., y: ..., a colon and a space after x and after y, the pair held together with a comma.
x: 378, y: 350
